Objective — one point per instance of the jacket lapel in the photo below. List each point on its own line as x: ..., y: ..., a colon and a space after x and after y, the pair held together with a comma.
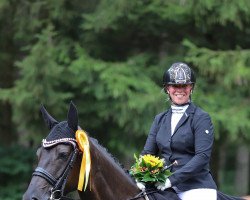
x: 185, y: 116
x: 168, y: 121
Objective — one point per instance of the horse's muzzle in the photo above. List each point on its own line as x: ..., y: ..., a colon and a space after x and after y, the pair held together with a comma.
x: 34, y: 196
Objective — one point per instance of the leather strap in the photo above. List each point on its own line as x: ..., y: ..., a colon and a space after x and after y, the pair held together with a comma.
x: 44, y: 174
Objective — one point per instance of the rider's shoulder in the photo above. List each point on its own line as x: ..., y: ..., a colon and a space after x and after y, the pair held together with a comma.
x: 199, y: 112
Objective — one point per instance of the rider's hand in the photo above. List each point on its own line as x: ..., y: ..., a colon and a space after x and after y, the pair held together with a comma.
x: 163, y: 186
x: 140, y: 185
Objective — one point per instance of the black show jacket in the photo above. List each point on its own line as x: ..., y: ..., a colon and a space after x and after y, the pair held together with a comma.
x: 190, y: 145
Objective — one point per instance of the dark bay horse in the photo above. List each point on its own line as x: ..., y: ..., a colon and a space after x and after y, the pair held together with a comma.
x: 59, y: 161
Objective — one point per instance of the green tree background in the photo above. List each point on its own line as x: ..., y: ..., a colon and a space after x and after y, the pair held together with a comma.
x: 109, y: 58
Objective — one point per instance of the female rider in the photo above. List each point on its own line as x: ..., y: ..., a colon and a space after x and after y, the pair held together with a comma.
x: 183, y: 133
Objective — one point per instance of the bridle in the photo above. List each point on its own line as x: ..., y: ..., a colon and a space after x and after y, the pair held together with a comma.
x: 58, y: 184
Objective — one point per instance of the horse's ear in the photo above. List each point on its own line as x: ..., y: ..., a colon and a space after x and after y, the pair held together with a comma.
x: 49, y: 121
x: 73, y: 117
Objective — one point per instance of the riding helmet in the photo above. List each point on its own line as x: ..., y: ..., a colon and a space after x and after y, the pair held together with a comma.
x: 178, y: 73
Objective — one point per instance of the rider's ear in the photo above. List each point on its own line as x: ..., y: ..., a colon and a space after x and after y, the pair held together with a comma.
x: 49, y: 121
x: 166, y: 90
x: 72, y: 117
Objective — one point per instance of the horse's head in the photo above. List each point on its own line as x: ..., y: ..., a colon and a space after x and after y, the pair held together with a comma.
x: 59, y: 153
x: 56, y: 157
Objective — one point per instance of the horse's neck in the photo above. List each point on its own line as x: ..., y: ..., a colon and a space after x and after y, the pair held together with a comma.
x: 108, y: 180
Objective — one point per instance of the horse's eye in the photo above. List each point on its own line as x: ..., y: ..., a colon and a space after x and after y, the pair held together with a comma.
x: 63, y: 155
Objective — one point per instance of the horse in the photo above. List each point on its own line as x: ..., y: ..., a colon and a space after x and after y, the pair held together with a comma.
x: 59, y: 166
x: 59, y: 163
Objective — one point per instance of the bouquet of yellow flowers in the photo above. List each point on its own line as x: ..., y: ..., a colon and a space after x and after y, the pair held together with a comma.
x: 149, y: 169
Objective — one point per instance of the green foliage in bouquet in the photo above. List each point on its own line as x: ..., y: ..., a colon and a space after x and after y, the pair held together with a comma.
x: 149, y: 169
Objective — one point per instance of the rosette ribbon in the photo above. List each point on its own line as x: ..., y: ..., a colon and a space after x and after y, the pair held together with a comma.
x: 83, y: 143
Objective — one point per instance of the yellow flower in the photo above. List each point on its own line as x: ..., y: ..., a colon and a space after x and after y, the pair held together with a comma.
x: 152, y: 160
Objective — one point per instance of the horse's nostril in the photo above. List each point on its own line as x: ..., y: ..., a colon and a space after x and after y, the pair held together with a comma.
x: 34, y: 198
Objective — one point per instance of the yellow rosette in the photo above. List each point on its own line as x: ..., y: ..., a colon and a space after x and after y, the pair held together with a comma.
x: 83, y: 143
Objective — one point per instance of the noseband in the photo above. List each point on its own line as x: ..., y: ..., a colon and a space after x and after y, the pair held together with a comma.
x: 58, y: 184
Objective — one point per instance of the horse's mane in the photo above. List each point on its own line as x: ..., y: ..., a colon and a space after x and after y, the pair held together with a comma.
x: 109, y: 155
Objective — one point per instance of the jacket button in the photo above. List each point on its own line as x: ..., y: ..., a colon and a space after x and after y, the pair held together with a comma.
x: 169, y: 140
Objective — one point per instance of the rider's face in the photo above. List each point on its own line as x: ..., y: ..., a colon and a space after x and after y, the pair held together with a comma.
x: 179, y: 93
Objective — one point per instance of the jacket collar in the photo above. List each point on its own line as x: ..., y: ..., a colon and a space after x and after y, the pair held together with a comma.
x: 191, y: 109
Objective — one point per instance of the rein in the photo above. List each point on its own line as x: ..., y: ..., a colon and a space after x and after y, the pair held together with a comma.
x: 58, y: 184
x: 144, y: 194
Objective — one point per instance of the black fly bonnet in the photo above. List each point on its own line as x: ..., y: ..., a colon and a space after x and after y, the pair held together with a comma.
x: 60, y: 132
